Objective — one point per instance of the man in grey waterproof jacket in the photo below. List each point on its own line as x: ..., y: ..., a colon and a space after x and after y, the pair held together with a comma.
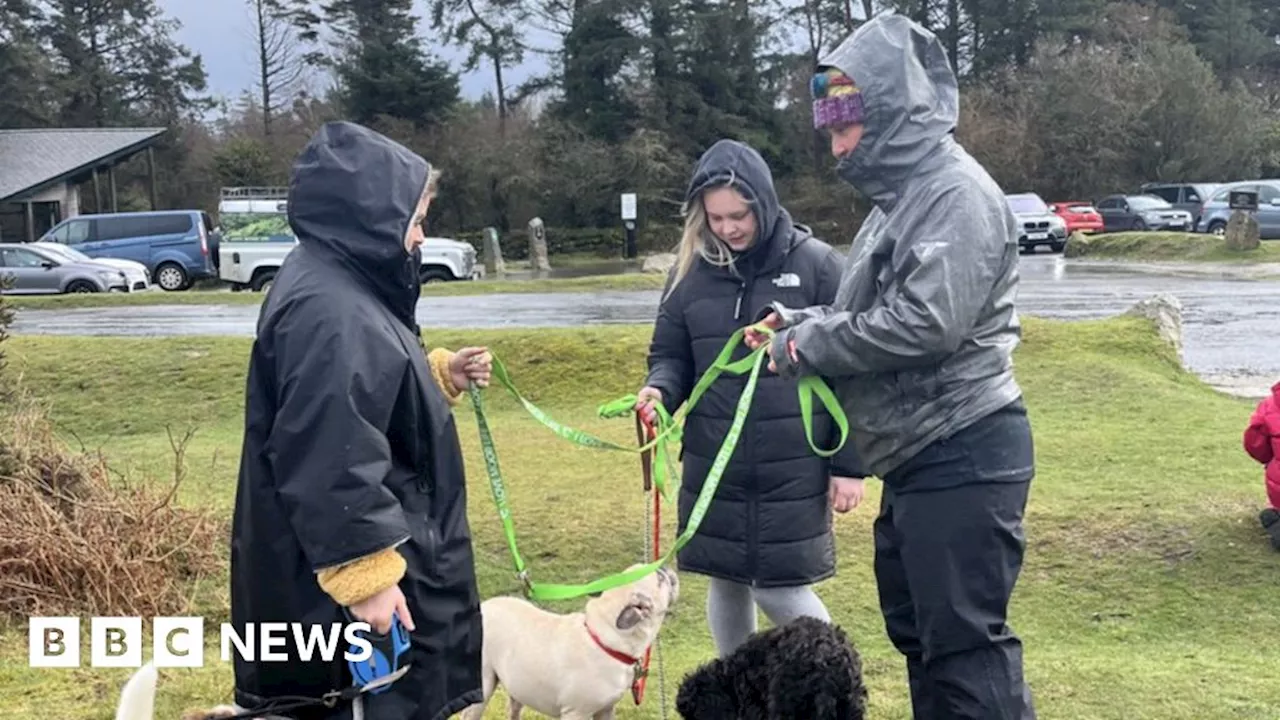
x: 919, y: 344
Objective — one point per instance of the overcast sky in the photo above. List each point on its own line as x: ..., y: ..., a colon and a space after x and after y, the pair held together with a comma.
x: 220, y: 31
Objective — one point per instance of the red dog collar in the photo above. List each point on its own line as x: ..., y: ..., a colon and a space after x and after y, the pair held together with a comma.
x: 616, y: 655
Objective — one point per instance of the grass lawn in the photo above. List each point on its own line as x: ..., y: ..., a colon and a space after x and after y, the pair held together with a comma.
x: 1166, y: 246
x: 1147, y: 590
x: 592, y: 283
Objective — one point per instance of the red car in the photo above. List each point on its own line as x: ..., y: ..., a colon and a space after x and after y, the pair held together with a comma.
x: 1079, y: 216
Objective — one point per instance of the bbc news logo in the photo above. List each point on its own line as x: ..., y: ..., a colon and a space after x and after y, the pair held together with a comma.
x: 55, y: 642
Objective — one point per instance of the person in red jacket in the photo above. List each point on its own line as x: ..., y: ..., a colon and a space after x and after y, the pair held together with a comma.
x: 1262, y: 442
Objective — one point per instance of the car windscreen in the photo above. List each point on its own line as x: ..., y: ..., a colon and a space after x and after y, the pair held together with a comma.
x: 1027, y: 205
x: 1144, y: 202
x: 68, y: 253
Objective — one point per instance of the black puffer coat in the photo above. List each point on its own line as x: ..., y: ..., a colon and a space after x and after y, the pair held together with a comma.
x: 349, y: 446
x: 769, y: 524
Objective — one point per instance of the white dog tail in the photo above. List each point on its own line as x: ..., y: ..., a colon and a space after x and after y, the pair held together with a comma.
x: 138, y: 699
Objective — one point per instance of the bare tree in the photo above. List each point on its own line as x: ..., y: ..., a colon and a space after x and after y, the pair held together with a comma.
x: 280, y: 64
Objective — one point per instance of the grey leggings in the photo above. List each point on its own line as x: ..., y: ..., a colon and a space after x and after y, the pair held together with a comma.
x: 731, y: 609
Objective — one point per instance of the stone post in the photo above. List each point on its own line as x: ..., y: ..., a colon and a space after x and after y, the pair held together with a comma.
x: 493, y: 264
x: 1165, y: 310
x: 1243, y: 232
x: 538, y: 246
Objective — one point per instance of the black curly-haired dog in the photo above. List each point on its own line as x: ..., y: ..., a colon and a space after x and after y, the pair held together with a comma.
x: 803, y: 669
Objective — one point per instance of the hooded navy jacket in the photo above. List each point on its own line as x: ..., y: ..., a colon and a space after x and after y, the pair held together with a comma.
x: 349, y: 446
x: 770, y: 521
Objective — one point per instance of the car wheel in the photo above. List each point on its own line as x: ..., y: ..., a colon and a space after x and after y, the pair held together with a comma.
x: 1058, y: 246
x: 1217, y: 227
x: 1138, y: 224
x: 171, y: 277
x: 262, y: 281
x: 434, y: 274
x: 81, y: 286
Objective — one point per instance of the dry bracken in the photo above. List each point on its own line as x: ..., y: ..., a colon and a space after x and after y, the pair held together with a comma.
x: 78, y: 541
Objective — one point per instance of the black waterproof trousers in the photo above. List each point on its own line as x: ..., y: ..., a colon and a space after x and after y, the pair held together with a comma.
x: 949, y: 546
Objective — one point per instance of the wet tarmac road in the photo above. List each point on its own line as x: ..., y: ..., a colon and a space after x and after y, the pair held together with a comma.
x: 1229, y: 325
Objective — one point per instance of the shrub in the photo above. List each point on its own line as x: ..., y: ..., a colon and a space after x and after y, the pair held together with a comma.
x: 77, y: 543
x: 604, y: 242
x: 610, y: 242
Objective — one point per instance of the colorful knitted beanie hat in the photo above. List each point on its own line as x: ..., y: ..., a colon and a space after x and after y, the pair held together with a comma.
x: 836, y: 100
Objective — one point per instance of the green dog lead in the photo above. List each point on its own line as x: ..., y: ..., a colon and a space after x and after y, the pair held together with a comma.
x: 668, y: 428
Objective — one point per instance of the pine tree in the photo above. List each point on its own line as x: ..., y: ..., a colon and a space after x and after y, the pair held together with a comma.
x: 24, y: 101
x: 378, y: 61
x: 118, y: 64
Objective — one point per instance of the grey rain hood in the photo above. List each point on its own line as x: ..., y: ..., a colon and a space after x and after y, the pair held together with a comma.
x: 911, y: 107
x: 920, y: 337
x: 361, y: 217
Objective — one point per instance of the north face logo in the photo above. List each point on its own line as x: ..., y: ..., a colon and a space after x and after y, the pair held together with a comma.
x: 787, y: 280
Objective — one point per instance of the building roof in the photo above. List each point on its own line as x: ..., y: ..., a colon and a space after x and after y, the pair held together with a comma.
x: 31, y: 160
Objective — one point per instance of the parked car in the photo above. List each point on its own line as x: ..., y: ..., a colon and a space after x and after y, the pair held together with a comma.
x: 178, y: 247
x: 446, y: 260
x: 1183, y: 196
x: 135, y: 273
x: 1217, y: 211
x: 37, y: 271
x: 1079, y: 216
x: 1037, y: 224
x: 1141, y: 212
x: 256, y: 237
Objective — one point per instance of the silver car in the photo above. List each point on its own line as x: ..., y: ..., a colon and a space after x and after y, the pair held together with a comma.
x: 1037, y: 223
x: 134, y: 272
x: 1217, y: 211
x: 33, y: 271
